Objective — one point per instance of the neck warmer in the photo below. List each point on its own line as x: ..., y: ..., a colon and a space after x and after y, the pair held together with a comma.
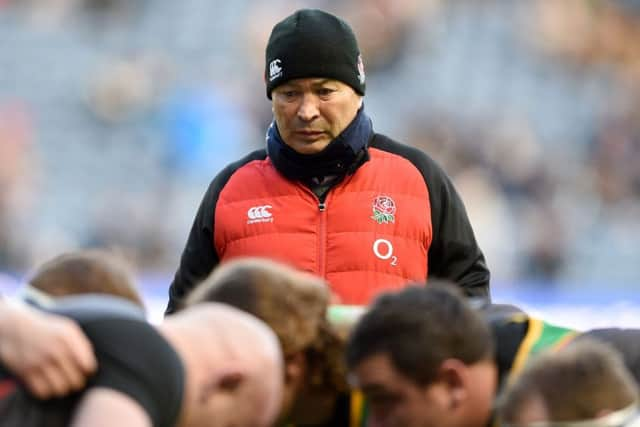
x: 342, y: 154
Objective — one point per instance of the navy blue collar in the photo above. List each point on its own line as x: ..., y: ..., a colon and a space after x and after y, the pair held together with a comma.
x: 340, y: 157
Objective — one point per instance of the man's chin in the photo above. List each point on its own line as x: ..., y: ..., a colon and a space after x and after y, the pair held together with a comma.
x: 309, y: 147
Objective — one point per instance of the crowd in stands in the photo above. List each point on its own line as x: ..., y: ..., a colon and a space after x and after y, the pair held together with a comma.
x: 115, y: 115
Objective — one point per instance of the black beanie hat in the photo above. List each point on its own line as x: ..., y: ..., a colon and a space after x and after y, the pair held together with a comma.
x: 313, y: 43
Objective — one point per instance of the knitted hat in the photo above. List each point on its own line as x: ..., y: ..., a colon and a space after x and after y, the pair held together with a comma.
x: 313, y: 43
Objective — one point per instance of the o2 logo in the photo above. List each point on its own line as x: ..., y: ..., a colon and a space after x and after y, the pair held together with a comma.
x: 383, y: 249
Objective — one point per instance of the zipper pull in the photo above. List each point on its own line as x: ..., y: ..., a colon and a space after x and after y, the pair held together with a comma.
x: 322, y: 206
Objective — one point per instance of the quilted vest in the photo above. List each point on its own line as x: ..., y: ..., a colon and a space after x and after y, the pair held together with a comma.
x: 371, y: 233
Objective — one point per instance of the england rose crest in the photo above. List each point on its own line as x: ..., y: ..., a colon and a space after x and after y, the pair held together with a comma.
x: 384, y: 209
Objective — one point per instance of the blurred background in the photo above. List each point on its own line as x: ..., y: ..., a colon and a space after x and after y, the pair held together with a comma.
x: 116, y: 114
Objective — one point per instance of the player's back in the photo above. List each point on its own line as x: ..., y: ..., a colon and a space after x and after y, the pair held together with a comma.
x: 519, y: 336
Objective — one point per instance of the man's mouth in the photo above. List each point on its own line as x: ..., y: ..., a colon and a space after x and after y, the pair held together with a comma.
x: 310, y: 134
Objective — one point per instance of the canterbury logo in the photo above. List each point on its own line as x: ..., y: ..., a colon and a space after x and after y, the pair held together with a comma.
x: 259, y: 214
x: 275, y: 70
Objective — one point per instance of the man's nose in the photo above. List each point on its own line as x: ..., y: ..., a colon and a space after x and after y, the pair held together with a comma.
x: 308, y: 109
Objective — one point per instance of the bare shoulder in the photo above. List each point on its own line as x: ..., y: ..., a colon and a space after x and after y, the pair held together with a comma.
x: 106, y: 407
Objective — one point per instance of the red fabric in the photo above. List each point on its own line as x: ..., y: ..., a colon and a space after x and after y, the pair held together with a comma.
x: 6, y: 387
x: 337, y: 243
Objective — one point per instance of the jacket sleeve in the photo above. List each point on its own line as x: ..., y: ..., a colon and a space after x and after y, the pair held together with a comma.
x: 199, y: 256
x: 454, y: 253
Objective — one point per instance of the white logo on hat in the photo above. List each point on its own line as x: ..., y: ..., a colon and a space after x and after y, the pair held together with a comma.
x: 361, y: 76
x: 275, y: 70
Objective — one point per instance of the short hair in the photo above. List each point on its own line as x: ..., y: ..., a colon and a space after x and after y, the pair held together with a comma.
x: 419, y: 328
x: 293, y: 303
x: 86, y: 272
x: 575, y: 383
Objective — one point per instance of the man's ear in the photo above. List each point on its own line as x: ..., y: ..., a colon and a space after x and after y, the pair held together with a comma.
x: 454, y: 375
x: 227, y: 380
x: 295, y: 366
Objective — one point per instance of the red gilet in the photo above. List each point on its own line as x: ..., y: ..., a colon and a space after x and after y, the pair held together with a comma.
x: 372, y: 233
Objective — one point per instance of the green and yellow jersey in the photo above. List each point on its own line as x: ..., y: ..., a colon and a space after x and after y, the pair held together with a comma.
x: 519, y: 337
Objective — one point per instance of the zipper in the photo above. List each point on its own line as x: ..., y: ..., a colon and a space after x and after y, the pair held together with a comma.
x: 322, y: 229
x: 322, y: 237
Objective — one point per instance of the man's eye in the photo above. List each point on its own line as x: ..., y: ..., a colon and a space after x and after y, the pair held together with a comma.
x: 289, y: 93
x: 325, y: 92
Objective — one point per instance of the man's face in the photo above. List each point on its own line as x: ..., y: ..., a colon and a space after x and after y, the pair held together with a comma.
x: 311, y: 112
x: 395, y: 400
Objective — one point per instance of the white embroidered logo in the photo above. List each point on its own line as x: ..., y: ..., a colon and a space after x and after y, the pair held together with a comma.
x: 361, y: 76
x: 275, y: 70
x: 383, y: 249
x: 259, y: 214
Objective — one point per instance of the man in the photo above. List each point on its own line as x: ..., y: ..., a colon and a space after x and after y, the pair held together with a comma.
x: 585, y: 384
x: 48, y: 352
x: 294, y: 304
x: 328, y: 195
x: 81, y: 272
x: 426, y: 357
x: 211, y: 365
x: 520, y: 337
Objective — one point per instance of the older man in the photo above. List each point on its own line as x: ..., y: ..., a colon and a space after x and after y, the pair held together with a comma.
x: 328, y: 195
